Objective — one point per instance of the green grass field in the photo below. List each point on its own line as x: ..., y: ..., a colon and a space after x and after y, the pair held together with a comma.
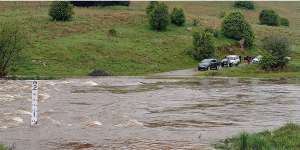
x: 284, y: 138
x: 74, y: 48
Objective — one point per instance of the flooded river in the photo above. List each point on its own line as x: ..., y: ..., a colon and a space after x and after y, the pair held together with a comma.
x: 142, y: 113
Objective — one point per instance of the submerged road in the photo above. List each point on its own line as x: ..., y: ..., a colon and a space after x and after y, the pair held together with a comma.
x: 142, y: 113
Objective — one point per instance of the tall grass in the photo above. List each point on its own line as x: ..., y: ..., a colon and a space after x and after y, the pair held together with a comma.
x: 284, y: 138
x: 2, y: 147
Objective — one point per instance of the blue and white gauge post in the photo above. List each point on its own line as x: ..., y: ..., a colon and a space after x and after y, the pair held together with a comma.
x: 34, y: 103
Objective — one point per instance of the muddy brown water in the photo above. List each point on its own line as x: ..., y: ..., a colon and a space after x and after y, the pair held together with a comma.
x: 143, y: 113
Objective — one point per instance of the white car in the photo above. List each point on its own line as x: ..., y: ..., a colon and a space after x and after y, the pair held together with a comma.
x: 257, y: 59
x: 231, y: 60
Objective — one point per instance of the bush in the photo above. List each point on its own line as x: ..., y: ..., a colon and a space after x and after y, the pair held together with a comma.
x: 268, y: 62
x: 159, y: 17
x: 236, y: 27
x: 99, y: 72
x: 195, y: 22
x: 278, y: 49
x: 244, y: 4
x: 177, y: 17
x: 61, y: 11
x: 284, y: 21
x: 11, y: 43
x: 203, y: 45
x: 112, y: 32
x: 213, y: 31
x: 151, y: 6
x: 99, y: 3
x: 269, y: 17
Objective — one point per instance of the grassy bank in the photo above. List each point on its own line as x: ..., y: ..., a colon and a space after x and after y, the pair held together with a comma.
x: 284, y: 138
x: 2, y: 147
x: 76, y: 47
x: 244, y: 70
x: 254, y: 72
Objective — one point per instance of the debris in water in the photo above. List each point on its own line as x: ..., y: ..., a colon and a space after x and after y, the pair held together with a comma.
x: 94, y: 124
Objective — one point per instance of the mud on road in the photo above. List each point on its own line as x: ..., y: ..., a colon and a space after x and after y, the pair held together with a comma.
x: 142, y: 113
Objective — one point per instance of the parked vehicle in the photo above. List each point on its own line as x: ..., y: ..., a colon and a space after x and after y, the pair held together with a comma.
x: 207, y: 64
x: 257, y: 59
x: 230, y: 61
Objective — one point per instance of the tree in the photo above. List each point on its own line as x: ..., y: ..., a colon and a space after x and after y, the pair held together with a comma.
x: 151, y: 6
x: 278, y: 49
x: 11, y: 44
x: 284, y: 21
x: 203, y: 45
x: 178, y: 17
x: 159, y: 17
x: 61, y: 11
x: 236, y: 27
x: 269, y: 17
x: 244, y: 4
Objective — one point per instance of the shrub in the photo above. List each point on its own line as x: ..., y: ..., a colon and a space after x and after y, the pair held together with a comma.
x: 236, y: 27
x: 195, y: 22
x: 269, y: 17
x: 278, y: 49
x: 99, y: 3
x: 151, y: 6
x: 203, y: 45
x: 99, y: 72
x: 159, y: 17
x: 268, y: 62
x: 244, y: 4
x: 177, y: 17
x: 12, y: 41
x: 213, y: 31
x: 112, y: 32
x: 61, y: 10
x: 284, y: 21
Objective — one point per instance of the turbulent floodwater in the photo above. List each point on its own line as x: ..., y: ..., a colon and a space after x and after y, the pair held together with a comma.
x: 142, y: 113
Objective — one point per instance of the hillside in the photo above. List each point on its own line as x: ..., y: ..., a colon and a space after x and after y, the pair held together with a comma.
x: 76, y: 47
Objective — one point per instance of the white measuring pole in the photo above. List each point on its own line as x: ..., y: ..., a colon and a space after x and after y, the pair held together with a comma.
x: 34, y: 103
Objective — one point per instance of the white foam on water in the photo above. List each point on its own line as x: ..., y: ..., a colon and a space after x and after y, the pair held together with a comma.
x: 56, y: 122
x: 66, y: 82
x: 51, y: 110
x: 18, y: 119
x: 130, y: 123
x: 91, y: 83
x: 51, y: 83
x: 23, y: 112
x: 3, y: 127
x: 7, y: 98
x: 135, y: 122
x: 44, y: 96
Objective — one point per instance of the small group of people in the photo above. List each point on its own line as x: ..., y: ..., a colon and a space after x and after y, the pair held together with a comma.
x: 248, y: 59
